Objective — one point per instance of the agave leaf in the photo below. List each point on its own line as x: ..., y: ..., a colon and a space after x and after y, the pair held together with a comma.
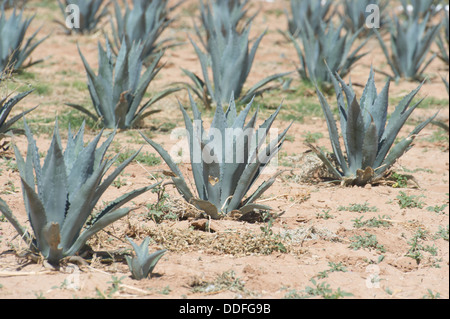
x: 195, y: 148
x: 355, y: 136
x: 108, y: 215
x: 400, y: 148
x: 257, y: 90
x: 84, y: 110
x: 261, y: 189
x: 333, y: 133
x: 6, y: 211
x: 212, y: 176
x: 370, y: 146
x: 36, y: 214
x: 209, y: 208
x: 100, y: 92
x: 395, y: 123
x: 80, y: 208
x: 140, y: 115
x: 5, y: 110
x: 99, y: 225
x: 254, y: 169
x: 54, y: 194
x: 179, y: 180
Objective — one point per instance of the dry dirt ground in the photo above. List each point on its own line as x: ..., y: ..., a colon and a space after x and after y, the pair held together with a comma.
x: 329, y: 240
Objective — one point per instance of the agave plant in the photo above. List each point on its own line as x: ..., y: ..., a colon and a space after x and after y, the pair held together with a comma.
x: 417, y: 9
x: 312, y: 11
x: 6, y: 106
x: 231, y: 61
x: 331, y: 46
x: 356, y: 12
x: 144, y: 23
x: 14, y: 49
x: 142, y: 264
x: 368, y: 140
x: 221, y: 15
x: 60, y: 195
x: 118, y: 89
x: 443, y: 44
x: 411, y: 41
x: 226, y: 161
x: 13, y: 3
x: 91, y: 12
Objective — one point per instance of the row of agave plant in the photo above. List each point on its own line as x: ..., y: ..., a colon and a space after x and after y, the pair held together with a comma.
x: 60, y: 195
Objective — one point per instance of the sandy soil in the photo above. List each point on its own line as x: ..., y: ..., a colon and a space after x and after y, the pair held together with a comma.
x: 313, y: 238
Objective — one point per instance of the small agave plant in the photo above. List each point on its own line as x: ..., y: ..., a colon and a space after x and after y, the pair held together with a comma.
x: 144, y: 22
x: 331, y: 46
x: 221, y: 14
x: 312, y: 11
x: 230, y: 57
x: 15, y: 49
x: 91, y: 13
x: 226, y: 161
x: 118, y: 89
x: 6, y: 106
x: 418, y: 9
x: 443, y: 44
x: 356, y: 12
x: 12, y: 3
x: 143, y: 263
x: 61, y: 194
x: 368, y: 140
x: 411, y: 41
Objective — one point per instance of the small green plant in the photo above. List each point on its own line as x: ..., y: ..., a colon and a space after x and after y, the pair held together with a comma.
x: 442, y: 233
x: 382, y: 221
x: 438, y: 209
x: 431, y: 295
x: 400, y: 181
x: 142, y: 264
x: 410, y: 201
x: 416, y: 247
x: 333, y: 268
x: 358, y: 208
x: 368, y: 241
x: 276, y: 239
x: 322, y: 289
x: 160, y: 210
x: 325, y: 214
x: 310, y: 137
